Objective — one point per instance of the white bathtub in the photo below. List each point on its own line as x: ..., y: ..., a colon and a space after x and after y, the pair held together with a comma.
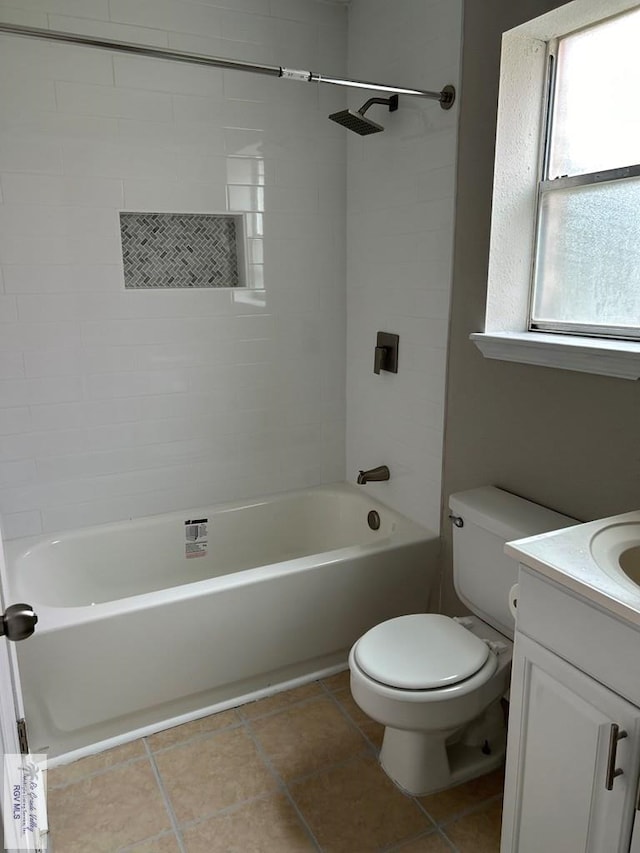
x: 134, y: 636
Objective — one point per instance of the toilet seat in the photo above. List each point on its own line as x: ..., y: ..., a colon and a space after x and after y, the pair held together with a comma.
x: 422, y: 651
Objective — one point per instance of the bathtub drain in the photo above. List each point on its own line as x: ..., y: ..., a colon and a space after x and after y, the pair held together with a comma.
x: 373, y: 520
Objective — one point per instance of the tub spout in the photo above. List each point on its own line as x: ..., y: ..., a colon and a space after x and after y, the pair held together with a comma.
x: 373, y: 475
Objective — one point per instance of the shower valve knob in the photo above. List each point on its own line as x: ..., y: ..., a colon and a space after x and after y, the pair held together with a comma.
x: 386, y: 353
x: 18, y: 622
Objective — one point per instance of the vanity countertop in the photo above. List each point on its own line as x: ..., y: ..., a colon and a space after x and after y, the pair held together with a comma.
x: 565, y: 557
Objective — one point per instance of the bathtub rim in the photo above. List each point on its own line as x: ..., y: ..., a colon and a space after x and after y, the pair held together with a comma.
x: 58, y: 617
x: 14, y: 548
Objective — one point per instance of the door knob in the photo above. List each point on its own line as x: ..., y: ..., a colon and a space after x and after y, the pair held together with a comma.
x: 18, y: 622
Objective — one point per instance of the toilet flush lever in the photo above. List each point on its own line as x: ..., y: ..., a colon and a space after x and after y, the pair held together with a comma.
x: 386, y: 353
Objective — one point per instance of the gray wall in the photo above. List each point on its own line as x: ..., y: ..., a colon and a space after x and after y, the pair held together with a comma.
x: 567, y: 440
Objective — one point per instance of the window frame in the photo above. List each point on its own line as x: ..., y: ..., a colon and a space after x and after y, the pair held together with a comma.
x: 520, y: 125
x: 549, y: 185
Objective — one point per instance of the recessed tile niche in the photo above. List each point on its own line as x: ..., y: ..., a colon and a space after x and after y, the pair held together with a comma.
x: 163, y: 250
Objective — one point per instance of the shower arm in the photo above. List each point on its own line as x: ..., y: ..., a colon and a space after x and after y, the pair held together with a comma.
x: 391, y: 102
x: 446, y: 97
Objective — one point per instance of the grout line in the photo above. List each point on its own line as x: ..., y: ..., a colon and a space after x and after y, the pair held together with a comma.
x: 306, y: 701
x: 165, y: 796
x: 425, y: 811
x: 357, y: 756
x: 100, y: 772
x: 321, y: 681
x: 193, y: 738
x: 370, y: 745
x: 281, y: 784
x: 449, y: 841
x: 472, y: 809
x: 437, y: 828
x: 325, y: 689
x: 241, y: 721
x: 398, y: 846
x: 230, y: 809
x: 254, y: 737
x: 159, y: 837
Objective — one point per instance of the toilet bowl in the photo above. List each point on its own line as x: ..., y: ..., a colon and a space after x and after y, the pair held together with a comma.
x: 436, y: 683
x: 442, y: 713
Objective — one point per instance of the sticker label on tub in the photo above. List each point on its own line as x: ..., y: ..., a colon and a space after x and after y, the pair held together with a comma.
x: 195, y: 537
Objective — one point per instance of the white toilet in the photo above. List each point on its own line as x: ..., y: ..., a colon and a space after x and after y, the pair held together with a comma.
x: 436, y: 682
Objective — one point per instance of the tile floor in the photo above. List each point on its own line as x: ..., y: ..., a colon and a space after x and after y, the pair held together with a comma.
x: 295, y: 772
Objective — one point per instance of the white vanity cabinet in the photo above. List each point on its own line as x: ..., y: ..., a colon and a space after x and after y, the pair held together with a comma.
x: 563, y: 755
x: 573, y: 754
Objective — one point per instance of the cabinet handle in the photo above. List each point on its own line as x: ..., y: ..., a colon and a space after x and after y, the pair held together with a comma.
x: 612, y: 770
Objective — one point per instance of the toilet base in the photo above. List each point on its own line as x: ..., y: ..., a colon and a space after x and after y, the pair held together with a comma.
x: 424, y: 762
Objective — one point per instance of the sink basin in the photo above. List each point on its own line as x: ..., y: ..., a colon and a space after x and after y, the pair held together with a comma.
x: 616, y: 549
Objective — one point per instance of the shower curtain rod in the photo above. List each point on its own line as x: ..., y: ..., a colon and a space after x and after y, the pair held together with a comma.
x: 446, y: 97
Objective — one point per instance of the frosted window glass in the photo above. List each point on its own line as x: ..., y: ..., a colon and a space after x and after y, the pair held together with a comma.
x: 589, y: 255
x: 596, y: 118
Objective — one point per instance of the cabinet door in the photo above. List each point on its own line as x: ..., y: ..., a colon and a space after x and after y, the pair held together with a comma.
x: 561, y: 726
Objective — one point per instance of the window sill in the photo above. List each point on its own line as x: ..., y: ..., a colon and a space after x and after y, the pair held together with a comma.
x: 567, y: 352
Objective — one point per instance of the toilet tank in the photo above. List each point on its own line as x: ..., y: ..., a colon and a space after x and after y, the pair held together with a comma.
x: 482, y: 572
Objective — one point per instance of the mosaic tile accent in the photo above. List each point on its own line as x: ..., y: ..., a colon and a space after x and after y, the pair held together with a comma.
x: 179, y: 250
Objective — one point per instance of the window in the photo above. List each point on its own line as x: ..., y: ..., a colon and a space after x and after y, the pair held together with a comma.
x: 587, y: 263
x: 566, y: 193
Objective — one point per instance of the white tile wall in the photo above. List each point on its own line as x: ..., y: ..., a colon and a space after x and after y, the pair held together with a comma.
x: 400, y: 234
x: 117, y: 404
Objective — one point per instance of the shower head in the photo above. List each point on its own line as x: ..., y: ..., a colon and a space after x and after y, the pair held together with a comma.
x: 357, y: 122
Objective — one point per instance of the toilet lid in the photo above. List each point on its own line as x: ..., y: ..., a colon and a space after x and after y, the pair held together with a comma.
x: 420, y: 652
